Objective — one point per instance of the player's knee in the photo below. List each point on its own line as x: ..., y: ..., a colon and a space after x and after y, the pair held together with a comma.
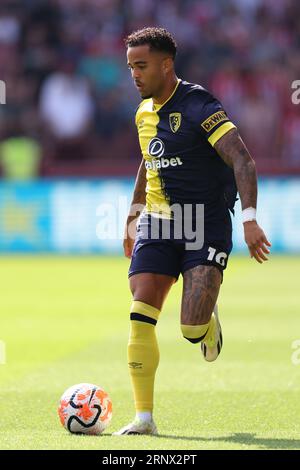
x: 150, y: 288
x: 199, y: 314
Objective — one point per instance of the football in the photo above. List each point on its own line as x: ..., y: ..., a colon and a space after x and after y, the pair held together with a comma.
x: 85, y: 409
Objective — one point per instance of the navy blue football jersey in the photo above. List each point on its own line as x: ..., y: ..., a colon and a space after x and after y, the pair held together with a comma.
x: 177, y: 140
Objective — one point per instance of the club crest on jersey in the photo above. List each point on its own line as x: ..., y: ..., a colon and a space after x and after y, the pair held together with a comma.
x: 175, y: 121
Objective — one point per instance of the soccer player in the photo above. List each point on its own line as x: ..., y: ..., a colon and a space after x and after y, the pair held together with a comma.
x: 194, y: 162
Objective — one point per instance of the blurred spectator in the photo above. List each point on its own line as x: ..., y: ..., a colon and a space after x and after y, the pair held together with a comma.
x: 66, y: 109
x: 66, y: 104
x: 291, y: 139
x: 260, y: 124
x: 9, y: 29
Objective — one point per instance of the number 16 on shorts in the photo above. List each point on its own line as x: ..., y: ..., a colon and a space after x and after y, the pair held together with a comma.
x: 218, y: 257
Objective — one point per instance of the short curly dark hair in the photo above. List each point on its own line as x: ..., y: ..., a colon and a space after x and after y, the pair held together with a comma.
x: 159, y: 39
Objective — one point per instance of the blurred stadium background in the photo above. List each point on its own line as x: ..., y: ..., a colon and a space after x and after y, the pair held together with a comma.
x: 68, y: 157
x: 70, y: 103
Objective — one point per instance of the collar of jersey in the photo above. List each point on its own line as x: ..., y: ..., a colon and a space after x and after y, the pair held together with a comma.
x: 157, y: 107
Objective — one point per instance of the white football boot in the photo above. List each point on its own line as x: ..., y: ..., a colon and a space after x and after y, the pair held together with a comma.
x: 138, y: 427
x: 212, y: 345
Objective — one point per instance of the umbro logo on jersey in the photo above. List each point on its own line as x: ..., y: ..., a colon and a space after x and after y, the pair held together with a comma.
x: 156, y: 147
x: 156, y: 164
x: 175, y: 121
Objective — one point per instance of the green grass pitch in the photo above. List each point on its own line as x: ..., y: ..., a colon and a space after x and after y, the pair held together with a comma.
x: 64, y: 320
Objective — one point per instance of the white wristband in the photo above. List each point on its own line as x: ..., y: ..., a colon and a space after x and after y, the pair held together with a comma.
x: 249, y: 214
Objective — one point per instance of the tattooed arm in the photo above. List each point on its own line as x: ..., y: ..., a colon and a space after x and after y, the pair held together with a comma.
x: 233, y: 151
x: 137, y: 204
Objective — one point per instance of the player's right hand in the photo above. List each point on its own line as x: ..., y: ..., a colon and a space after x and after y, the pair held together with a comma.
x: 129, y: 235
x: 128, y: 246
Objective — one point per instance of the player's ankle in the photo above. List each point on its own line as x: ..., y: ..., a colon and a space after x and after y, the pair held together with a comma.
x: 145, y: 416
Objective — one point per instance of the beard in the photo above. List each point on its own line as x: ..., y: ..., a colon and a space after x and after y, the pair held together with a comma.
x: 146, y: 96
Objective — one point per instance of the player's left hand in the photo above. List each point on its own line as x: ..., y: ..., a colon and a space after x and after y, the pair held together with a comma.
x: 257, y: 241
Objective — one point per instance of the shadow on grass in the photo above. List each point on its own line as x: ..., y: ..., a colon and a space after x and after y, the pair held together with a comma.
x: 243, y: 438
x: 246, y: 439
